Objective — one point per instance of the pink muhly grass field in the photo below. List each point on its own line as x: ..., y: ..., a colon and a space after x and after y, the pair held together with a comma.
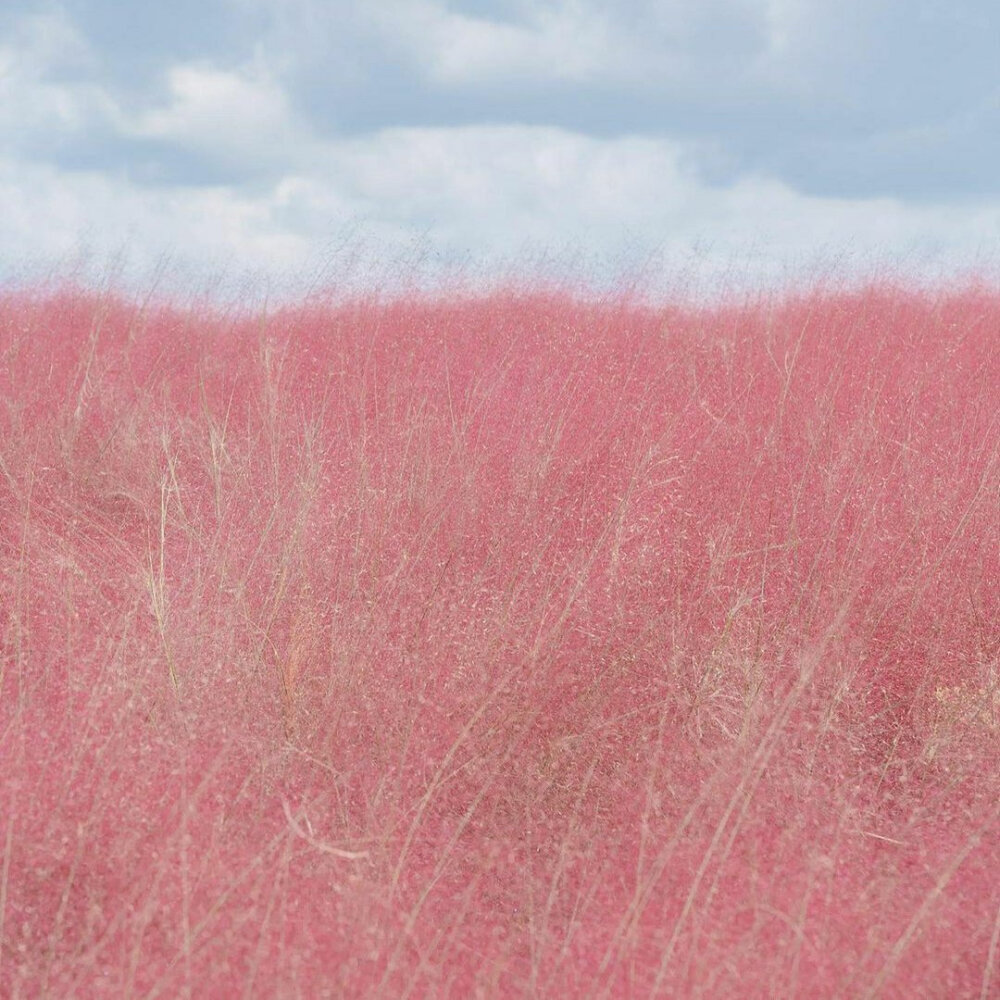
x: 501, y: 646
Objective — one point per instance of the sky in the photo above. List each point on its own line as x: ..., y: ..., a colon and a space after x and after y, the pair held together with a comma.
x: 291, y: 143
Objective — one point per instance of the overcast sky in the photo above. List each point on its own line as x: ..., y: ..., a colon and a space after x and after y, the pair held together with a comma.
x: 726, y: 139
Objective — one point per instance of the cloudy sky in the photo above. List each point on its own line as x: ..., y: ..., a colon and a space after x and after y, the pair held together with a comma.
x: 292, y: 140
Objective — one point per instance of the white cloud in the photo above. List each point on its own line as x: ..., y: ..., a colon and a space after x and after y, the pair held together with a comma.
x: 713, y: 44
x: 50, y: 101
x: 566, y: 42
x: 55, y: 218
x: 225, y: 114
x: 486, y: 194
x: 44, y: 39
x: 507, y: 182
x: 45, y: 96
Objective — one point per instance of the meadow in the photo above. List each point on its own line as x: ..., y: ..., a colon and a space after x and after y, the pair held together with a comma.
x: 509, y: 645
